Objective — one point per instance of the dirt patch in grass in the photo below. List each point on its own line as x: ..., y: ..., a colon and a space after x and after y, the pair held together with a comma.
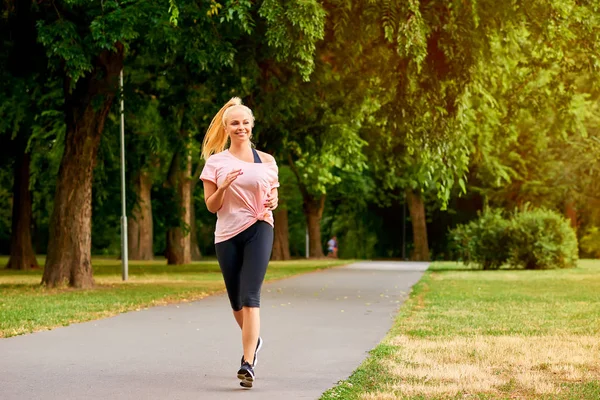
x: 492, y: 366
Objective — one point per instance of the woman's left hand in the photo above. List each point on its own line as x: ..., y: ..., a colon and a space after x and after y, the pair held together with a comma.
x: 271, y: 202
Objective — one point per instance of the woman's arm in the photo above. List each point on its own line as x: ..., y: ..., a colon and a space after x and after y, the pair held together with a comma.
x: 213, y: 195
x: 273, y: 199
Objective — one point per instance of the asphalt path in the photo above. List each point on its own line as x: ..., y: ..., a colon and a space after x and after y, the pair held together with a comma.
x: 317, y: 328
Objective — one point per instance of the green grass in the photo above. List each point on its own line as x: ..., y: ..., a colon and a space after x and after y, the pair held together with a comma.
x: 26, y: 306
x: 489, y: 335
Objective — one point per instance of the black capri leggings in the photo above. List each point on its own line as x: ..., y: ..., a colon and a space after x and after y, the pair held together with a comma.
x: 243, y: 260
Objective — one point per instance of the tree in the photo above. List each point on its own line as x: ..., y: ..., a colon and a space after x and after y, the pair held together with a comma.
x: 86, y: 45
x: 432, y: 52
x: 286, y: 35
x: 148, y: 146
x: 22, y: 255
x: 290, y: 230
x: 323, y: 144
x: 20, y: 101
x: 536, y: 118
x: 315, y: 123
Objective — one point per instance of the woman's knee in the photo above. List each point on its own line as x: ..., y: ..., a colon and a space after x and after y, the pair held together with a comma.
x: 236, y: 303
x: 251, y: 300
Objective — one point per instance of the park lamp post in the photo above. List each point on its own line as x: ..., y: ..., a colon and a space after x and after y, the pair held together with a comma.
x: 307, y: 242
x: 124, y: 255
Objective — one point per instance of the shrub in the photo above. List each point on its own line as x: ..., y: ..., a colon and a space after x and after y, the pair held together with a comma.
x: 590, y: 242
x: 483, y: 241
x: 540, y: 239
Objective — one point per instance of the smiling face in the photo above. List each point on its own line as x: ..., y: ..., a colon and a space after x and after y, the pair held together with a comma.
x: 238, y: 124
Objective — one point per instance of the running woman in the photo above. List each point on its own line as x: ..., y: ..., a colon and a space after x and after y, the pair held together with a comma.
x: 240, y: 185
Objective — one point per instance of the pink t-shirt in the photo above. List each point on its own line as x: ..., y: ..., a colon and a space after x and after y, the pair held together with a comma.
x: 243, y: 203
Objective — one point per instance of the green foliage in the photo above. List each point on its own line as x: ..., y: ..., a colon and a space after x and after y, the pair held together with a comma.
x: 590, y: 242
x: 174, y: 10
x: 321, y: 124
x: 410, y: 35
x: 483, y: 241
x: 321, y: 159
x: 46, y: 145
x: 314, y: 125
x: 542, y: 239
x: 358, y: 235
x: 6, y: 184
x: 179, y: 56
x: 531, y: 239
x: 415, y: 136
x: 238, y: 10
x: 364, y: 99
x: 290, y: 198
x: 16, y: 98
x: 106, y: 196
x: 63, y: 42
x: 533, y: 116
x: 430, y: 130
x: 349, y: 217
x: 74, y: 33
x: 287, y: 21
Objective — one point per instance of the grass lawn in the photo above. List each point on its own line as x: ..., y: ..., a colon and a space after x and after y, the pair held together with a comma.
x: 466, y: 334
x: 26, y: 306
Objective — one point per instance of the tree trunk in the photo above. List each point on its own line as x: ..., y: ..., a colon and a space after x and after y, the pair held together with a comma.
x: 179, y: 238
x: 313, y: 210
x: 571, y: 213
x: 86, y: 109
x: 281, y: 243
x: 20, y: 24
x: 416, y: 207
x: 139, y: 225
x: 22, y: 255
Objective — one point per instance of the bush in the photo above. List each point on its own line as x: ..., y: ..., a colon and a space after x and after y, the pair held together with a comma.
x: 590, y: 242
x: 541, y: 239
x: 532, y: 239
x: 484, y: 241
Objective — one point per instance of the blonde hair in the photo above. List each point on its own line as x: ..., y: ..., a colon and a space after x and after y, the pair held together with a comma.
x: 216, y: 136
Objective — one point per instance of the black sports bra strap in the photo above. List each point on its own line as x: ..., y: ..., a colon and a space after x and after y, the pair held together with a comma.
x: 256, y: 156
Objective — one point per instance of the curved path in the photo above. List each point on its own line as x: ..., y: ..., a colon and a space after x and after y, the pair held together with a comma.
x: 317, y: 329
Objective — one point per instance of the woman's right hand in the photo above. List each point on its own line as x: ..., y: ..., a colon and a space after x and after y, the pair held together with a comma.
x: 231, y: 176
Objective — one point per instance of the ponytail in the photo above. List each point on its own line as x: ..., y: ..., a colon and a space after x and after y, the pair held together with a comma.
x: 215, y: 139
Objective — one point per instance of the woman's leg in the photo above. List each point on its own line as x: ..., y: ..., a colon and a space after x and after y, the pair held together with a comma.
x: 230, y: 257
x: 250, y: 331
x: 239, y: 317
x: 257, y: 252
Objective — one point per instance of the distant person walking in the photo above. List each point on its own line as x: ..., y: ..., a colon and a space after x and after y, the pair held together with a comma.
x: 240, y: 185
x: 332, y: 247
